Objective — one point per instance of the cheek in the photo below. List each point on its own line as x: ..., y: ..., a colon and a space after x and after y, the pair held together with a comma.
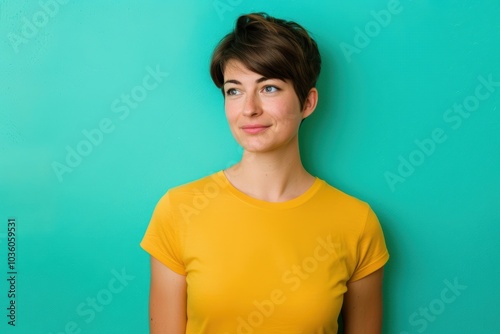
x: 288, y: 111
x: 230, y: 112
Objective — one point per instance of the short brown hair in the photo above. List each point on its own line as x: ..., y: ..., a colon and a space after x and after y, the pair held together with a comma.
x: 272, y: 47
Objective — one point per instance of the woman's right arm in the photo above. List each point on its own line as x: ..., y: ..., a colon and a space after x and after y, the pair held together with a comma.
x: 167, y: 300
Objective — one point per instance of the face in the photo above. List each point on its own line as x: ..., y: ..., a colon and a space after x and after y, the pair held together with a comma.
x: 264, y: 114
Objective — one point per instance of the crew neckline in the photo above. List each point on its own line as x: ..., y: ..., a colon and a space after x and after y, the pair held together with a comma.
x: 294, y: 202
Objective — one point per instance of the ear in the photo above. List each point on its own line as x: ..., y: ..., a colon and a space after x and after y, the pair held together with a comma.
x: 310, y: 103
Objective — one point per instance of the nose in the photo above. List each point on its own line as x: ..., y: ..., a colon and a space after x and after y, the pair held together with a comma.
x: 252, y: 106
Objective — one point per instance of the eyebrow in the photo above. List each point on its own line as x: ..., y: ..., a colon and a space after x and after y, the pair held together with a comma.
x: 262, y: 79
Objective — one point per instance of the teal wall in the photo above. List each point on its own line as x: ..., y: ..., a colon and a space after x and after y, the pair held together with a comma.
x: 104, y: 105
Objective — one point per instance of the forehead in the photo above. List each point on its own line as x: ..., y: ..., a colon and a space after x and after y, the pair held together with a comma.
x: 235, y: 67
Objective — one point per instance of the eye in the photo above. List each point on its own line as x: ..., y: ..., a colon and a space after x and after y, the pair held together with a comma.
x: 271, y: 89
x: 232, y: 91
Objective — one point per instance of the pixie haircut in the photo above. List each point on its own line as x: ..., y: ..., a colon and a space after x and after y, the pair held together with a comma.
x: 271, y: 47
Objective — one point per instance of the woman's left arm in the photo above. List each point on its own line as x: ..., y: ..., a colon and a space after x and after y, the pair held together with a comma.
x: 362, y: 308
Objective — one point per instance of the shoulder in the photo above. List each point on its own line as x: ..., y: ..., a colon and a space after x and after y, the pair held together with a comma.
x: 208, y: 186
x: 343, y: 203
x: 358, y: 229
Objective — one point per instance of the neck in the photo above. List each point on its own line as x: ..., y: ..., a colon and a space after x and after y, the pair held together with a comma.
x: 273, y: 176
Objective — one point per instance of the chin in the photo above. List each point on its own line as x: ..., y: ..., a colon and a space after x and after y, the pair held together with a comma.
x: 259, y: 148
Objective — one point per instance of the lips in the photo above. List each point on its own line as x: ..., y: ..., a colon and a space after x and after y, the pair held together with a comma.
x: 254, y: 128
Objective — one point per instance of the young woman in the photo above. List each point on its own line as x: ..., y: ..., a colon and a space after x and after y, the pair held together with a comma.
x: 264, y: 246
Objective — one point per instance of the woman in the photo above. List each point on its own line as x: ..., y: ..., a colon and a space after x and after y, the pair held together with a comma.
x: 264, y: 246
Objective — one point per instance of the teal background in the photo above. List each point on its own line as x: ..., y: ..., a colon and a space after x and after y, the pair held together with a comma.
x: 442, y: 224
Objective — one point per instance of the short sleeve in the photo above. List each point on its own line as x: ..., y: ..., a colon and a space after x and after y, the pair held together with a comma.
x: 372, y: 252
x: 163, y: 237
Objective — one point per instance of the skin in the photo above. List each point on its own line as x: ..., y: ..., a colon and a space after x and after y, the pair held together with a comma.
x: 167, y: 300
x: 270, y: 170
x: 362, y: 308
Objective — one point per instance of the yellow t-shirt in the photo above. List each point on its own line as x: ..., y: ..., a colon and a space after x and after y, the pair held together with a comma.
x: 253, y: 266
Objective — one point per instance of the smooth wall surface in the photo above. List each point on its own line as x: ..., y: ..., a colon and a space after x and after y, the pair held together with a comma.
x: 104, y: 105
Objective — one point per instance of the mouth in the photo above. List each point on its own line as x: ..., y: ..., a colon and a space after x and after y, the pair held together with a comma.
x: 255, y: 128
